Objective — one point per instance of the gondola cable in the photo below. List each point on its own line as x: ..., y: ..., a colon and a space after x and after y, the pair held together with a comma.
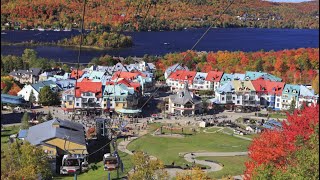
x: 231, y: 2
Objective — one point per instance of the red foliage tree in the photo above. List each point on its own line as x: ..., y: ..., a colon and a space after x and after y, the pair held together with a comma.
x: 274, y: 146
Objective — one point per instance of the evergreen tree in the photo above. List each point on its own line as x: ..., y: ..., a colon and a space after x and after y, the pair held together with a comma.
x: 40, y: 118
x: 25, y: 121
x: 32, y: 99
x: 49, y: 116
x: 292, y: 105
x: 259, y: 65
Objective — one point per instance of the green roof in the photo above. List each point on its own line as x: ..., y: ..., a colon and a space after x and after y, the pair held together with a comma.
x: 128, y: 111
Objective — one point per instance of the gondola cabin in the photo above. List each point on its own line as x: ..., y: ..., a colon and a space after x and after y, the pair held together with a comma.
x: 72, y: 164
x: 110, y: 162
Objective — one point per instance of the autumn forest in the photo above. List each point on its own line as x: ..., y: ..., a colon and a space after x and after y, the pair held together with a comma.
x: 138, y: 15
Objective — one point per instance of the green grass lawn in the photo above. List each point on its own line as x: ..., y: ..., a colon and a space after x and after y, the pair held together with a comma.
x: 176, y: 131
x: 168, y: 149
x: 213, y: 129
x: 231, y: 165
x: 228, y: 130
x: 278, y: 115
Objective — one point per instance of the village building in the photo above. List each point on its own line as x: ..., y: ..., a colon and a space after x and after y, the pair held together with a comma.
x: 120, y: 96
x: 174, y: 68
x: 184, y: 102
x: 26, y: 90
x: 26, y: 76
x: 178, y: 79
x: 58, y: 137
x: 290, y: 93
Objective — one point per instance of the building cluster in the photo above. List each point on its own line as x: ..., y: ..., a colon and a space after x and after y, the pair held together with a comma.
x: 249, y: 90
x: 97, y: 89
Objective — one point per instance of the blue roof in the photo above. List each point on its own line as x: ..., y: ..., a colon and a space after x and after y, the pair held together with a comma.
x: 225, y: 78
x: 271, y: 77
x: 41, y: 84
x: 66, y: 83
x: 238, y: 76
x: 117, y: 90
x: 228, y: 87
x: 6, y: 98
x: 291, y: 90
x: 96, y: 75
x: 252, y: 75
x: 129, y: 111
x: 304, y: 91
x: 23, y: 133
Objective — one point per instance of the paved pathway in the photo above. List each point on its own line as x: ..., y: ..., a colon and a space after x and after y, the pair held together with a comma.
x: 190, y: 157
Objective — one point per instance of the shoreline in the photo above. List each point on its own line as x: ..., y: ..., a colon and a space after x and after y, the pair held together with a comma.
x: 59, y: 45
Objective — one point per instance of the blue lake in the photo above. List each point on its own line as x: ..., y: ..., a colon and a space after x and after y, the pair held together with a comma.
x: 160, y: 43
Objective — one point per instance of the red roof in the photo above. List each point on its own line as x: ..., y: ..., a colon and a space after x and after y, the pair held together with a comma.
x: 94, y: 87
x: 74, y: 74
x: 260, y: 85
x: 126, y: 75
x: 267, y: 86
x: 275, y: 87
x: 182, y: 75
x: 125, y: 82
x: 86, y: 80
x: 214, y: 76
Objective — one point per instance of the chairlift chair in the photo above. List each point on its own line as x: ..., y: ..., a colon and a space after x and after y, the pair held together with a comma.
x: 73, y: 163
x: 111, y: 162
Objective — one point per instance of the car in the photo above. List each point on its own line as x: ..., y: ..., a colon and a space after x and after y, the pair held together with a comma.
x: 155, y: 116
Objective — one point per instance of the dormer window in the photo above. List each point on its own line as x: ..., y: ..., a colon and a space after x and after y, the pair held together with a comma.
x: 286, y: 91
x: 294, y: 91
x: 247, y: 78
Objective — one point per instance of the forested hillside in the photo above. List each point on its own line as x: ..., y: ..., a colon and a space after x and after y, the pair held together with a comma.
x: 158, y: 14
x: 293, y: 66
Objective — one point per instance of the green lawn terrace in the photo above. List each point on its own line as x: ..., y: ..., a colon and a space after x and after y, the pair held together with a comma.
x: 234, y: 165
x: 171, y: 149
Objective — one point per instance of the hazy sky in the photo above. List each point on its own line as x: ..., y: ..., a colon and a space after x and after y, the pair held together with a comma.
x: 289, y: 0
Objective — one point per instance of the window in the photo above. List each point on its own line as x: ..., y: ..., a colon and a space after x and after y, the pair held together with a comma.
x: 77, y: 104
x: 233, y: 98
x: 222, y: 98
x: 70, y: 103
x: 278, y: 105
x: 238, y: 102
x: 278, y: 100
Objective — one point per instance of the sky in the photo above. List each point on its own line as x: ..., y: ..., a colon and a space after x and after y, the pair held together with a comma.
x: 295, y: 1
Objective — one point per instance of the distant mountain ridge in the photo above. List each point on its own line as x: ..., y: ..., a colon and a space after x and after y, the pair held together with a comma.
x: 163, y: 15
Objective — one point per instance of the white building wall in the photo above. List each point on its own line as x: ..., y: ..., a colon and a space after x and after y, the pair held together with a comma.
x: 26, y: 91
